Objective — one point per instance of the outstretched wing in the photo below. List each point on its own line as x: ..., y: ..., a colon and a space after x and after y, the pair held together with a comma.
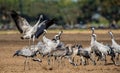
x: 20, y: 22
x: 44, y: 26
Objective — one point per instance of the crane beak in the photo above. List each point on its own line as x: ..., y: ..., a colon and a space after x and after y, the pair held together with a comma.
x: 16, y: 53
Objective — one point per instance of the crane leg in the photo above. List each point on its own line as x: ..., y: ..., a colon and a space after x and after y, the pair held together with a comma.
x: 29, y: 42
x: 25, y: 62
x: 33, y: 40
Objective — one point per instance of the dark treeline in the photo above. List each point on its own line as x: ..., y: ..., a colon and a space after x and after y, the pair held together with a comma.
x: 67, y: 12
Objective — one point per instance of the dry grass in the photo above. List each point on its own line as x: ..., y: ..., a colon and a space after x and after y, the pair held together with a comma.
x: 74, y: 31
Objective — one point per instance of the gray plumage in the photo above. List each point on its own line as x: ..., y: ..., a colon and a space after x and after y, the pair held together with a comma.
x: 77, y: 50
x: 58, y: 54
x: 26, y: 52
x: 85, y: 54
x: 28, y: 31
x: 100, y: 49
x: 115, y: 46
x: 51, y: 43
x: 47, y: 46
x: 24, y: 27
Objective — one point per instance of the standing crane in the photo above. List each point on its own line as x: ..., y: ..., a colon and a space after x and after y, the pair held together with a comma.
x: 100, y: 49
x: 27, y: 52
x: 115, y: 46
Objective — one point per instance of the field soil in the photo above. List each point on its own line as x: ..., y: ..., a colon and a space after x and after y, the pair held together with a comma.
x: 9, y: 43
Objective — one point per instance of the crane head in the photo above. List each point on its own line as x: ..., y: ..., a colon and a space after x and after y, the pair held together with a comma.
x: 16, y: 53
x: 111, y: 34
x: 92, y: 30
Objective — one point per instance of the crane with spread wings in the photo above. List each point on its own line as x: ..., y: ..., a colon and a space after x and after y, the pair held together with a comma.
x: 28, y: 31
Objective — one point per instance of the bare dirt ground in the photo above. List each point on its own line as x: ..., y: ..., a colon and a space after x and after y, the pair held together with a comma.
x: 9, y: 43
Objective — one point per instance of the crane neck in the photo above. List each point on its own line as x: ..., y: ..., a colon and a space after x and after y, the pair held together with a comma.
x: 93, y: 39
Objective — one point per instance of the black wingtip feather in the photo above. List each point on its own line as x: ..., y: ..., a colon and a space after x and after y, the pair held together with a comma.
x: 50, y: 22
x: 13, y: 13
x: 46, y: 26
x: 15, y: 17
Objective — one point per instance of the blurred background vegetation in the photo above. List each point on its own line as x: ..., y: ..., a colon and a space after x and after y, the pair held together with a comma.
x: 70, y: 14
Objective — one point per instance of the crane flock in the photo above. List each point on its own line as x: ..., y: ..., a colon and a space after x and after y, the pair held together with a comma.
x: 57, y: 49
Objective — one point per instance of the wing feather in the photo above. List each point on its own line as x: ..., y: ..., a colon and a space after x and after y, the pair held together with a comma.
x: 20, y: 22
x: 44, y: 26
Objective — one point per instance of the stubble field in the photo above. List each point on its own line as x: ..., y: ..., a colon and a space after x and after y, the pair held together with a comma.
x: 10, y: 42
